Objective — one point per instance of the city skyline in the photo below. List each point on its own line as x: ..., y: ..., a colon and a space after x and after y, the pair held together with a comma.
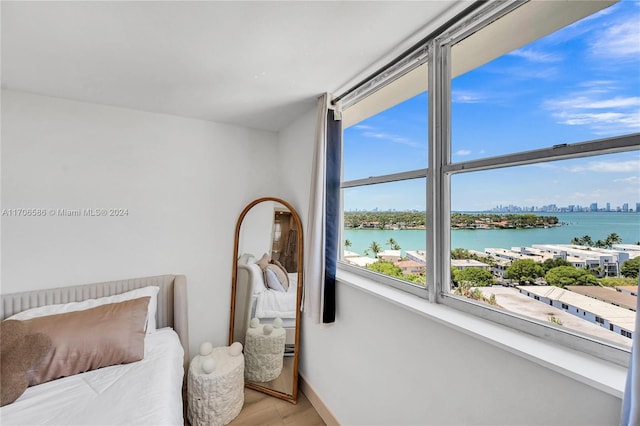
x: 528, y: 99
x: 548, y: 208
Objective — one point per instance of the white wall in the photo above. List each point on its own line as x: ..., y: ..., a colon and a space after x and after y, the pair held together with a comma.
x: 256, y: 231
x: 183, y: 181
x: 372, y: 366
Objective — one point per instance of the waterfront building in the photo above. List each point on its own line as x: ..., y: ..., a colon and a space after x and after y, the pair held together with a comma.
x: 609, y: 261
x: 390, y: 255
x: 349, y: 254
x: 411, y: 267
x: 632, y: 249
x: 417, y: 255
x: 514, y: 254
x: 628, y: 289
x: 512, y: 300
x: 469, y: 263
x: 498, y: 266
x: 606, y: 294
x: 360, y: 261
x: 619, y: 320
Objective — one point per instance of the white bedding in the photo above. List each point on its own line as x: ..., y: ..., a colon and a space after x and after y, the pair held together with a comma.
x: 147, y: 392
x: 272, y: 304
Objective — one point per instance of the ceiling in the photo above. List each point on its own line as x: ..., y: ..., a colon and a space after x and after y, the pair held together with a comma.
x: 256, y: 64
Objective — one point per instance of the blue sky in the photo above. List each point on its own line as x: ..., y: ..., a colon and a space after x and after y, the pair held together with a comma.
x: 578, y: 84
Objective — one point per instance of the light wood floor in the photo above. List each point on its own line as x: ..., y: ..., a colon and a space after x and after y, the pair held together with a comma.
x: 262, y: 410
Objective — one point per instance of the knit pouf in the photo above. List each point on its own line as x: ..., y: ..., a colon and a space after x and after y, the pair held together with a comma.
x: 215, y: 387
x: 264, y: 353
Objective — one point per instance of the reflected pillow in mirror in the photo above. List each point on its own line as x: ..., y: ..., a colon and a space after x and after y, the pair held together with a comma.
x: 281, y: 273
x: 275, y: 262
x: 263, y: 261
x: 272, y: 281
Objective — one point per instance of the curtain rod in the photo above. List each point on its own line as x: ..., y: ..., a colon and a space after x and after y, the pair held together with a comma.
x: 442, y: 28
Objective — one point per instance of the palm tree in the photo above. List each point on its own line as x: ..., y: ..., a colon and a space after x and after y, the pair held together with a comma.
x: 612, y: 239
x: 347, y: 244
x: 393, y: 244
x: 375, y: 248
x: 586, y: 241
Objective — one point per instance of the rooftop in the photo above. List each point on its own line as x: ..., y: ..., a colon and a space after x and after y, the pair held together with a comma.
x: 409, y: 263
x: 606, y: 294
x: 511, y: 300
x: 628, y: 288
x: 614, y: 314
x: 468, y: 263
x: 361, y: 261
x: 384, y: 253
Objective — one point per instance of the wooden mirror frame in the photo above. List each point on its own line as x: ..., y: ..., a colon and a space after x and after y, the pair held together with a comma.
x: 251, y: 385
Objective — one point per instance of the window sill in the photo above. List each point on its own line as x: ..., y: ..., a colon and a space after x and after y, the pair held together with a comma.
x: 597, y: 373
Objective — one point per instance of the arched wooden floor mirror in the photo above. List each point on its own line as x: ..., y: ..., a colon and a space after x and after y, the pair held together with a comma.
x: 266, y: 295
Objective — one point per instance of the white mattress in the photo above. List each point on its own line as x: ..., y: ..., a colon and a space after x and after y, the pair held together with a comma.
x: 147, y: 392
x: 271, y: 303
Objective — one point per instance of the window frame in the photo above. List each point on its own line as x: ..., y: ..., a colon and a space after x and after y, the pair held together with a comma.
x: 438, y: 175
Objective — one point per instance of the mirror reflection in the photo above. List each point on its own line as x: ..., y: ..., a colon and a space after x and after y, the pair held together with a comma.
x: 266, y: 295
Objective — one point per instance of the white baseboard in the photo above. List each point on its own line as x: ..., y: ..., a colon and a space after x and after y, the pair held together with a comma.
x: 317, y: 403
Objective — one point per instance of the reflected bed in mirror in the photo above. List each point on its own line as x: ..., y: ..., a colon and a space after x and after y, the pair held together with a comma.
x: 266, y: 295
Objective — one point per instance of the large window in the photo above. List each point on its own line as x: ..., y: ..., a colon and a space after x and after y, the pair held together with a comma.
x: 516, y: 191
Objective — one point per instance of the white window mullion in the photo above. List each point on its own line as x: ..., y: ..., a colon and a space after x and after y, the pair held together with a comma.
x: 395, y: 177
x: 438, y: 199
x: 559, y: 152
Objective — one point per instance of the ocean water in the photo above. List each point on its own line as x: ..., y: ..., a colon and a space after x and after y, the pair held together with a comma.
x: 597, y: 225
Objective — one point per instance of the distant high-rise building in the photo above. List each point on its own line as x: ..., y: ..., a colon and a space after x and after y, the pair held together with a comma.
x: 593, y: 207
x: 625, y: 207
x: 608, y: 207
x: 637, y: 207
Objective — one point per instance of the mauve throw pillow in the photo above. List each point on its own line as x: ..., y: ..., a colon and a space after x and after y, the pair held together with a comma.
x: 86, y: 340
x: 19, y: 352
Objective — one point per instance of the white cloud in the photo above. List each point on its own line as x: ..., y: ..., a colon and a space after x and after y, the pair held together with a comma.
x: 594, y: 107
x: 363, y: 127
x: 619, y: 41
x: 584, y: 102
x: 594, y: 87
x: 374, y: 133
x: 463, y: 152
x: 466, y: 97
x: 537, y: 56
x: 390, y: 137
x: 634, y: 180
x: 602, y: 117
x: 630, y: 166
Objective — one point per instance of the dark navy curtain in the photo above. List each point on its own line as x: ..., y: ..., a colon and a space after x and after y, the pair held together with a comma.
x: 332, y: 215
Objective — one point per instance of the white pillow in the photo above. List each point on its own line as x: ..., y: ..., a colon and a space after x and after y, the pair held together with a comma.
x: 272, y: 281
x: 151, y: 291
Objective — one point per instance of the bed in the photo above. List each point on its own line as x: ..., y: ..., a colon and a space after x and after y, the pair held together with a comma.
x: 144, y: 392
x: 255, y: 300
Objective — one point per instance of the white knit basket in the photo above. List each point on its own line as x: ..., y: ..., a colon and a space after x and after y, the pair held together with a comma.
x: 215, y: 399
x: 264, y: 354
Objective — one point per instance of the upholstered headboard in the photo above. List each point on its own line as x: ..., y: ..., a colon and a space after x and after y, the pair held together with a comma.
x: 172, y: 300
